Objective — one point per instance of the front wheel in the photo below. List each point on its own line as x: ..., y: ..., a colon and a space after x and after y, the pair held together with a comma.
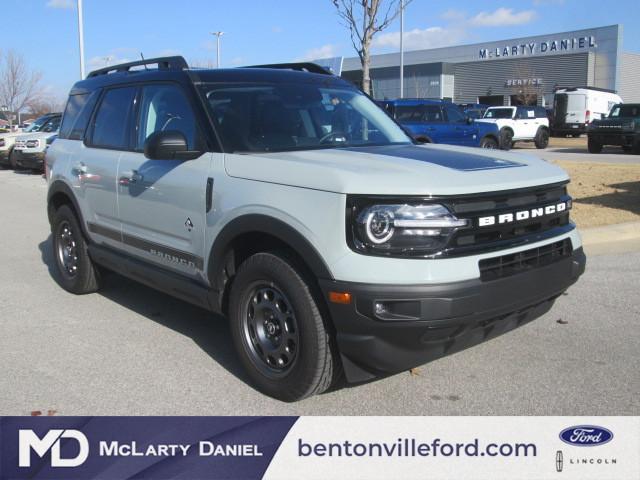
x: 506, y: 139
x: 594, y: 146
x: 541, y: 139
x: 279, y: 330
x: 488, y: 142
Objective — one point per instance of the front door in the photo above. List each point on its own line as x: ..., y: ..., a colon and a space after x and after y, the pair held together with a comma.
x: 162, y: 203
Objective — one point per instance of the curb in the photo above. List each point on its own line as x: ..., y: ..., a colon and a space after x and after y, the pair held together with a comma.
x: 617, y: 238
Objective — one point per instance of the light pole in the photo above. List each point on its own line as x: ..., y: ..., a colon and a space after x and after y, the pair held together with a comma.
x: 81, y: 38
x: 218, y: 35
x: 401, y: 48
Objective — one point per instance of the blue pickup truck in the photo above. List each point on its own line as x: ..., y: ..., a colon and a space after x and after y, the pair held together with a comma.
x: 434, y: 121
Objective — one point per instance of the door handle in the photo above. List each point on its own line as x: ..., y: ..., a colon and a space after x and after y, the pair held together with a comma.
x: 79, y: 169
x: 131, y: 177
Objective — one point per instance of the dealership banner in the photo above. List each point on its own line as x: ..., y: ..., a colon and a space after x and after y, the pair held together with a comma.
x: 320, y: 447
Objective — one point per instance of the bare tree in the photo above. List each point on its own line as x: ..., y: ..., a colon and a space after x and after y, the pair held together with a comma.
x: 364, y: 20
x: 41, y: 105
x: 18, y: 84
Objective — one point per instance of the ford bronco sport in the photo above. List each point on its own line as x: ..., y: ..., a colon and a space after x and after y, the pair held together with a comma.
x: 286, y: 199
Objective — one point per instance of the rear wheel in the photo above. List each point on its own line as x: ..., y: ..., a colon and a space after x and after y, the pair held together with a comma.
x: 77, y: 272
x: 279, y: 330
x: 489, y: 142
x: 594, y: 146
x: 541, y: 139
x: 506, y: 139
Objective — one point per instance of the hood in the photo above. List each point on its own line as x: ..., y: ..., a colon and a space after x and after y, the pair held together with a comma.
x: 397, y: 170
x: 36, y: 136
x: 12, y: 134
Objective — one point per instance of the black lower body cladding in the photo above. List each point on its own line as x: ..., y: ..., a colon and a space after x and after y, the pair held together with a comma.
x: 33, y: 161
x: 390, y: 328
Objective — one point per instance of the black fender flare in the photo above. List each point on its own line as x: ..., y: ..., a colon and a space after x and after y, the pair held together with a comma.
x: 60, y: 187
x: 274, y: 227
x: 423, y: 138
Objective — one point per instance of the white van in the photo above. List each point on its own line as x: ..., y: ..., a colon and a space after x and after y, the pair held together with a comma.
x: 575, y: 108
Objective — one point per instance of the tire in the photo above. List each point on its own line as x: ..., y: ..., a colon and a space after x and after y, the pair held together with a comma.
x: 489, y: 142
x: 12, y: 161
x: 594, y: 146
x: 284, y: 345
x: 541, y: 139
x: 506, y: 139
x: 76, y: 272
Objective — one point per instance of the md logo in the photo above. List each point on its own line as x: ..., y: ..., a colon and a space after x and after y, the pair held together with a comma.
x: 28, y: 440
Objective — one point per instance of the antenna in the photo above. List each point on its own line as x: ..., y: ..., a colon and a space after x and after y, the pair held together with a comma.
x: 145, y: 65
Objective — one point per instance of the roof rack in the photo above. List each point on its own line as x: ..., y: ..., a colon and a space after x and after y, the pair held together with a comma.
x: 300, y: 66
x: 169, y: 63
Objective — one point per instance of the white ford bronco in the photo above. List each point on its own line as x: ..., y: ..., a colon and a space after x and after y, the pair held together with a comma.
x: 285, y: 199
x: 520, y: 124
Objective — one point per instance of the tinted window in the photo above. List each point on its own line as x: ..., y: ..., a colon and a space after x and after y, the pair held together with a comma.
x: 76, y: 115
x: 163, y: 108
x: 277, y: 117
x: 52, y: 125
x: 541, y: 112
x: 625, y: 111
x: 111, y: 125
x: 419, y: 113
x: 454, y: 115
x: 498, y: 113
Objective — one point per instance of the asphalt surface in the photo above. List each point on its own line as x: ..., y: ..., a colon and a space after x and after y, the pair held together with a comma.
x: 580, y: 154
x: 129, y: 350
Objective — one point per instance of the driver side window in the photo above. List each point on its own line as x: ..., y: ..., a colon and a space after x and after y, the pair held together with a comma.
x: 164, y: 108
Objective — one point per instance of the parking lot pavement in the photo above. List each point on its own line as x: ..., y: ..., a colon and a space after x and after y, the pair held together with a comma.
x: 129, y: 350
x: 580, y: 154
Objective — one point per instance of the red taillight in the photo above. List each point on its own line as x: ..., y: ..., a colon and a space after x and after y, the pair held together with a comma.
x: 587, y: 116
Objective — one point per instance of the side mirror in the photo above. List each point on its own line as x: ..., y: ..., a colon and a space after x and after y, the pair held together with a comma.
x: 168, y: 145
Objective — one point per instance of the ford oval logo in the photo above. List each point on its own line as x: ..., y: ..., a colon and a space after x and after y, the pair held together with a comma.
x: 586, y: 435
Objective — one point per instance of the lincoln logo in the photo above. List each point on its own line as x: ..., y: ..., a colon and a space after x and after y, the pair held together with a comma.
x: 522, y: 215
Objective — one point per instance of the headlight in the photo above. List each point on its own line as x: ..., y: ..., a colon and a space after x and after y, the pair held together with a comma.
x: 33, y: 143
x: 401, y: 229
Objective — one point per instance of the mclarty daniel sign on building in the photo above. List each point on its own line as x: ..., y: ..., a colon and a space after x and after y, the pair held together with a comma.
x: 540, y: 48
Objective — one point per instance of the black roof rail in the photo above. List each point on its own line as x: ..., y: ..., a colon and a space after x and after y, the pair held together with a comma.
x: 299, y: 66
x: 169, y: 63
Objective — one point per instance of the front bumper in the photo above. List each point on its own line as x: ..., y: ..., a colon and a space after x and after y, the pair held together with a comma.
x: 32, y: 160
x: 4, y: 158
x: 622, y: 139
x: 420, y: 323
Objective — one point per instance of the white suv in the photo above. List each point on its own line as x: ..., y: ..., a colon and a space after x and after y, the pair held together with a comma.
x: 520, y: 124
x: 291, y: 203
x: 8, y: 140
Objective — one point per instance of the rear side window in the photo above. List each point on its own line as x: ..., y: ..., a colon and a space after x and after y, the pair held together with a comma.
x: 111, y: 126
x: 76, y: 115
x: 541, y: 112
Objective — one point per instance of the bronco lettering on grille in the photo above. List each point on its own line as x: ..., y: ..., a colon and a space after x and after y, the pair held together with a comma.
x: 522, y: 215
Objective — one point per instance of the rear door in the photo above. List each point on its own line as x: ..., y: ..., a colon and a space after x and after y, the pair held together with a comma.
x: 95, y: 164
x: 576, y: 109
x: 162, y: 203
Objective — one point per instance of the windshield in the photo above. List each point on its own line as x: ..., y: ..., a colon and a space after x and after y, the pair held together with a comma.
x: 37, y: 123
x: 280, y: 117
x: 625, y: 111
x: 499, y: 113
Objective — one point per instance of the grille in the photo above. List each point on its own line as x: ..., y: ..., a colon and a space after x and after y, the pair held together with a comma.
x: 507, y: 265
x: 479, y: 238
x: 20, y: 143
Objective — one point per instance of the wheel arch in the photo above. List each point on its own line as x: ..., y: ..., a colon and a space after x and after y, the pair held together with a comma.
x: 61, y: 194
x: 253, y: 233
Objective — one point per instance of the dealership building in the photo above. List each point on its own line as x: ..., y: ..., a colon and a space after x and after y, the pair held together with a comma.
x: 506, y: 72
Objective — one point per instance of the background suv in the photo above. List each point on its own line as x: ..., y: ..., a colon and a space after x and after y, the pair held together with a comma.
x: 620, y: 128
x: 8, y: 139
x: 433, y: 121
x: 29, y: 149
x: 519, y: 124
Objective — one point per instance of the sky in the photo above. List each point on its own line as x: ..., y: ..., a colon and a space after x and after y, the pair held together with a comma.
x: 266, y: 31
